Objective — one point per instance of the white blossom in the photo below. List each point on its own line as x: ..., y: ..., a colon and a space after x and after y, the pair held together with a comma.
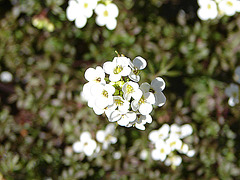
x: 143, y: 154
x: 95, y: 75
x: 6, y: 76
x: 106, y: 136
x: 106, y: 15
x: 131, y: 89
x: 232, y: 92
x: 173, y: 160
x: 123, y: 119
x: 138, y: 64
x: 120, y: 104
x: 156, y: 87
x: 228, y: 7
x: 117, y: 68
x: 140, y: 121
x: 208, y: 9
x: 174, y: 142
x: 161, y: 151
x: 86, y: 144
x: 160, y: 134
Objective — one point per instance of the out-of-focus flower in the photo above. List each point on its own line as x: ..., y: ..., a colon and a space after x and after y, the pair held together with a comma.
x: 106, y: 15
x: 174, y: 142
x: 86, y: 144
x: 6, y: 76
x: 208, y: 9
x: 237, y: 73
x: 160, y: 134
x: 117, y: 155
x: 106, y: 136
x: 80, y: 10
x: 232, y: 92
x: 143, y: 154
x: 228, y: 7
x: 131, y: 89
x: 161, y: 151
x: 173, y: 160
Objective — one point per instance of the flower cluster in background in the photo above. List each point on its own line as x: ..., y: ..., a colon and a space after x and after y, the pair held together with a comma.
x: 232, y: 91
x: 167, y: 140
x: 6, y: 77
x: 80, y: 10
x: 114, y: 90
x: 89, y: 146
x: 211, y: 9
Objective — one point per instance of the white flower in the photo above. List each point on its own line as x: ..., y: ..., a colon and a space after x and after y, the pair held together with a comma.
x: 237, y: 72
x: 138, y: 64
x: 117, y: 68
x: 161, y: 151
x: 191, y: 153
x: 131, y: 89
x: 228, y: 7
x: 143, y: 154
x: 6, y: 76
x: 141, y: 120
x: 95, y: 75
x: 207, y: 10
x: 232, y: 92
x: 120, y: 104
x: 186, y: 130
x: 156, y: 87
x: 158, y: 135
x: 173, y: 160
x: 117, y: 155
x: 86, y: 144
x: 123, y: 119
x: 106, y: 15
x: 144, y: 104
x: 106, y: 137
x: 174, y: 142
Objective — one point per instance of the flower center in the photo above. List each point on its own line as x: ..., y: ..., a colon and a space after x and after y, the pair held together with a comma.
x: 105, y: 13
x: 117, y: 69
x: 209, y: 6
x: 162, y: 151
x: 136, y: 71
x: 229, y: 3
x: 118, y: 102
x: 172, y: 143
x: 85, y: 144
x: 129, y: 89
x: 142, y: 100
x: 98, y: 79
x: 152, y: 90
x: 85, y: 5
x: 105, y: 93
x: 108, y: 137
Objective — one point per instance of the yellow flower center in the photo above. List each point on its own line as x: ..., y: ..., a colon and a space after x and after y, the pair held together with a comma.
x: 136, y: 71
x: 105, y: 93
x: 162, y: 151
x: 142, y: 100
x: 105, y: 13
x: 209, y: 6
x: 98, y: 79
x: 129, y: 89
x: 117, y: 69
x: 118, y: 102
x: 229, y: 3
x: 172, y: 143
x: 151, y: 90
x: 85, y: 5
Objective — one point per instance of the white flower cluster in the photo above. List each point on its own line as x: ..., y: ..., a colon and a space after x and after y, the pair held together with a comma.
x: 232, y: 91
x: 167, y: 140
x: 211, y: 9
x: 88, y: 146
x: 81, y: 10
x: 114, y: 90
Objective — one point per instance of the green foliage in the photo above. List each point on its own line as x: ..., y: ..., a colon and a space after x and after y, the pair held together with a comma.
x: 42, y: 113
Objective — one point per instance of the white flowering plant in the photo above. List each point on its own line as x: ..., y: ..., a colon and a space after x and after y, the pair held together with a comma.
x: 114, y: 90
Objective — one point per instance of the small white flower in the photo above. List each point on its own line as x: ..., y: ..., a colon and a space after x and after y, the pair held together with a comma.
x: 6, y: 76
x: 120, y: 104
x: 117, y: 155
x: 143, y: 154
x: 144, y: 104
x: 141, y: 120
x: 131, y: 89
x: 86, y: 144
x: 138, y: 64
x: 156, y: 87
x: 186, y: 130
x: 174, y: 142
x: 158, y: 135
x: 207, y: 10
x: 237, y: 72
x: 232, y: 92
x: 106, y: 15
x: 106, y: 136
x: 117, y: 68
x: 123, y: 119
x: 161, y: 151
x: 228, y: 7
x: 173, y: 160
x: 95, y: 75
x: 191, y: 153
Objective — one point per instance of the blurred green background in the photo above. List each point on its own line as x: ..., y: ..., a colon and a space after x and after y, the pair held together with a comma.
x: 42, y: 114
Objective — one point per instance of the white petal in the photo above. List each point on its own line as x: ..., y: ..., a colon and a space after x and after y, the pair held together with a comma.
x: 100, y: 136
x: 145, y: 87
x: 139, y: 62
x: 140, y: 126
x: 186, y: 130
x: 126, y: 71
x: 160, y: 99
x: 111, y: 23
x: 110, y: 128
x: 90, y: 74
x: 71, y: 13
x: 115, y: 116
x: 137, y: 94
x: 108, y: 67
x: 191, y: 153
x: 153, y: 136
x: 145, y: 108
x: 85, y: 136
x: 77, y: 147
x: 149, y: 97
x: 155, y: 154
x: 135, y: 105
x: 80, y: 21
x: 112, y: 9
x: 134, y: 77
x: 100, y: 9
x: 158, y: 84
x: 100, y: 20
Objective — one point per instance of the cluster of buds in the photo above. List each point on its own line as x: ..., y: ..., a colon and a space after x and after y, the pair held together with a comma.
x: 114, y: 90
x: 232, y: 91
x: 211, y: 9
